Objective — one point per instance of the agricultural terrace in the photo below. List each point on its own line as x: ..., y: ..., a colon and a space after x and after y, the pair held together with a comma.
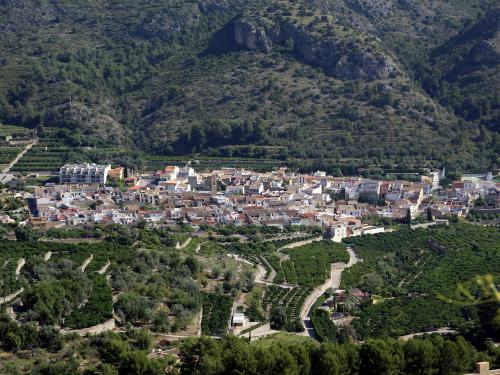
x: 14, y: 131
x: 290, y: 300
x: 291, y: 274
x: 49, y: 155
x: 309, y: 265
x: 61, y: 283
x: 7, y: 154
x: 81, y: 277
x: 155, y: 162
x: 216, y: 314
x: 78, y: 285
x: 43, y: 157
x: 409, y: 270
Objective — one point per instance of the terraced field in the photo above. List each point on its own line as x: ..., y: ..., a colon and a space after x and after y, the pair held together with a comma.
x: 49, y: 155
x: 6, y: 130
x: 7, y: 154
x: 71, y: 284
x: 76, y: 255
x: 426, y: 264
x: 206, y: 163
x: 43, y: 157
x: 290, y: 299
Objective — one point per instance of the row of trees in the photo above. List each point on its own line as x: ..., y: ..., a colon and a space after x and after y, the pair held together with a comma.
x: 127, y: 354
x: 430, y: 355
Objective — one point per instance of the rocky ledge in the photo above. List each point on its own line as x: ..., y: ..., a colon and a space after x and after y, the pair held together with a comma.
x: 335, y: 57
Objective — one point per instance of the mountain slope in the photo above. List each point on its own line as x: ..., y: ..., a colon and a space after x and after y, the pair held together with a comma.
x: 469, y: 64
x: 353, y: 82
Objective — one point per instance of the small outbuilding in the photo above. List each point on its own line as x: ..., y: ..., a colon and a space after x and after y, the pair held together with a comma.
x: 238, y: 319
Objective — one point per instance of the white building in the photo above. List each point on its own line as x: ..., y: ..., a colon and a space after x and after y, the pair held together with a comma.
x: 238, y: 320
x: 84, y: 174
x: 235, y: 190
x: 338, y: 232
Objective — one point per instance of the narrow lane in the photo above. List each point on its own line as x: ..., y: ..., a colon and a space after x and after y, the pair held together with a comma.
x: 332, y: 282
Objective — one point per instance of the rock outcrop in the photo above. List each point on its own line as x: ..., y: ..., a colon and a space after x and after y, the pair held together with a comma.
x: 486, y: 52
x: 249, y: 36
x: 335, y: 57
x: 94, y: 123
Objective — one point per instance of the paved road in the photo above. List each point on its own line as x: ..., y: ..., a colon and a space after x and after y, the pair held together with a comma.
x: 440, y: 331
x: 332, y: 282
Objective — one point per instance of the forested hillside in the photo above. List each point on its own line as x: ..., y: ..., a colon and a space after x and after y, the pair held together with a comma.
x: 365, y: 82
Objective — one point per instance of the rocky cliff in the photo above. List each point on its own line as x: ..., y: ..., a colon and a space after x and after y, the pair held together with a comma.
x: 249, y: 36
x: 335, y: 56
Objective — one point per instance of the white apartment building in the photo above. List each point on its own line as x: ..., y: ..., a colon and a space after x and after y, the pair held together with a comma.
x: 84, y: 174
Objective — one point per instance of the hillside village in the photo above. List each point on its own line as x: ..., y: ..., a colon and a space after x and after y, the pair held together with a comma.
x: 346, y: 206
x: 213, y: 187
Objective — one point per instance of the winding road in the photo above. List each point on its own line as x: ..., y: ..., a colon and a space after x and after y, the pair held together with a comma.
x: 86, y: 263
x: 179, y: 246
x: 440, y: 331
x: 260, y: 275
x: 332, y: 282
